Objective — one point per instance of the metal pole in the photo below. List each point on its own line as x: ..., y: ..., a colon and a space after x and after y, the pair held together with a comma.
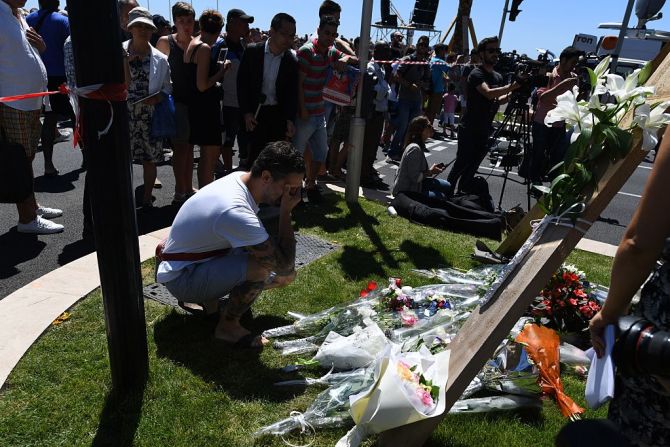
x: 622, y: 36
x: 109, y: 176
x: 502, y: 22
x: 357, y: 134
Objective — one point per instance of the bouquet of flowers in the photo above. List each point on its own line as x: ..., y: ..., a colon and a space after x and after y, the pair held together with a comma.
x: 566, y: 303
x: 403, y: 392
x: 599, y: 130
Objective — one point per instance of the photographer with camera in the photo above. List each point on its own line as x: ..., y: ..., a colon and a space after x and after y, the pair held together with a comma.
x: 485, y: 93
x: 549, y: 143
x: 641, y: 403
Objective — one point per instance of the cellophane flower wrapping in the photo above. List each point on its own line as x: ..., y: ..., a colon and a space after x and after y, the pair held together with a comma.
x: 542, y: 345
x: 357, y: 350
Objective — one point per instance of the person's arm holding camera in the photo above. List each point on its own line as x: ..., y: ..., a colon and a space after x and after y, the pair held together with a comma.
x: 499, y: 93
x: 552, y: 93
x: 639, y: 249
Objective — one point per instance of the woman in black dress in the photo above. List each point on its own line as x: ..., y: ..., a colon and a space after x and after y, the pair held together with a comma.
x: 204, y: 105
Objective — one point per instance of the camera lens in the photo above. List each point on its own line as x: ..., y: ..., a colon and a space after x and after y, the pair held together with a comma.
x: 641, y: 348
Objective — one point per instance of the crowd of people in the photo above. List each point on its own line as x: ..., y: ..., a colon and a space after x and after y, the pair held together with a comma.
x: 234, y: 86
x: 286, y: 103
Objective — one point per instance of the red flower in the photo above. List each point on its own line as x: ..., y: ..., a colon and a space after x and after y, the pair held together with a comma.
x: 594, y: 306
x: 363, y: 294
x: 579, y: 293
x: 572, y: 301
x: 372, y: 285
x: 398, y: 282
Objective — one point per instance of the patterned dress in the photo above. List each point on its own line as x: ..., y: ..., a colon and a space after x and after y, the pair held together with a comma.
x: 143, y: 147
x: 641, y: 406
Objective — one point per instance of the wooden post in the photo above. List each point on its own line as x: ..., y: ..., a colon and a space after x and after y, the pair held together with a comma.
x: 482, y: 332
x: 96, y: 44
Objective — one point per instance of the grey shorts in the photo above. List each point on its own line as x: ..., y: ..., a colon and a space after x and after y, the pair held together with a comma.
x: 183, y: 128
x: 211, y: 279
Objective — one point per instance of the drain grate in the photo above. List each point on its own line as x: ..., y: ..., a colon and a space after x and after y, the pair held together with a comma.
x: 308, y: 249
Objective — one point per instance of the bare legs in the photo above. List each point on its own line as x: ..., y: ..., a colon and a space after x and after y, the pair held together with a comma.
x: 242, y: 297
x: 182, y: 166
x: 207, y: 164
x: 150, y: 173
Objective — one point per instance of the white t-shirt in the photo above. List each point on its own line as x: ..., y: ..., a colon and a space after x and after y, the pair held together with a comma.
x: 221, y: 215
x: 21, y: 68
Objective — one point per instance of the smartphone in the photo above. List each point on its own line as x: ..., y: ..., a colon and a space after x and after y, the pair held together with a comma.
x: 223, y: 53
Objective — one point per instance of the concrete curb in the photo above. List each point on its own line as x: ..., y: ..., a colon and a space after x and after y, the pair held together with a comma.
x: 28, y: 312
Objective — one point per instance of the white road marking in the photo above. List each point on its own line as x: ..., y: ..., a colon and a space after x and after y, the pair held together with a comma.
x: 629, y: 194
x: 645, y: 167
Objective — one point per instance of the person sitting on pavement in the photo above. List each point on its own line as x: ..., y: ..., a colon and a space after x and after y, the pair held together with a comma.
x: 22, y: 72
x: 149, y: 75
x: 414, y: 175
x: 218, y: 245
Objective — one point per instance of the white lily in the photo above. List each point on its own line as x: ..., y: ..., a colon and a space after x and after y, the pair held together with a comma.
x: 650, y: 121
x: 603, y: 67
x: 625, y: 89
x: 567, y: 109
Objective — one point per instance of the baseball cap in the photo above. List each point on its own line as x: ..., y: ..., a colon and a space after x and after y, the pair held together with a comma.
x: 239, y: 14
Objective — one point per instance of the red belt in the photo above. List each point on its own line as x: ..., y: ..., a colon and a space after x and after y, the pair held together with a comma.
x: 160, y: 256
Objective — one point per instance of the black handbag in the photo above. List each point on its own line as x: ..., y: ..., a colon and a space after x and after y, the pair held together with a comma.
x: 16, y: 175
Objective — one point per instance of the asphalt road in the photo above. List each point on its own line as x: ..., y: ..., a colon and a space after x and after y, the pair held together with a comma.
x: 24, y: 258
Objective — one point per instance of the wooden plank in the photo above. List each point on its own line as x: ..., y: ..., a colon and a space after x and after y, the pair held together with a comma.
x: 488, y: 325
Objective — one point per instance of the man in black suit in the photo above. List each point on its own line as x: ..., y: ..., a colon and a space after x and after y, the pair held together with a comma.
x: 267, y: 86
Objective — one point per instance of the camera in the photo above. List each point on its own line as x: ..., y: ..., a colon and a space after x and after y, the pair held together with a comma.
x: 641, y: 347
x: 529, y: 73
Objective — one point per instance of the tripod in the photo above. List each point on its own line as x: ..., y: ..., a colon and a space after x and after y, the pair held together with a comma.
x: 515, y: 128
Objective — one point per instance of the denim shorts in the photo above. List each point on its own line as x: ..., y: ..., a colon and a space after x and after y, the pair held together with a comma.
x: 312, y: 130
x: 211, y: 279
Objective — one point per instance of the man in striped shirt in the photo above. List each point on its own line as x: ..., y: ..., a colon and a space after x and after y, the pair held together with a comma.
x: 314, y: 58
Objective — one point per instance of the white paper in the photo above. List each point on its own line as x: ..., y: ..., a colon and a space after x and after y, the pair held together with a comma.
x: 600, y: 382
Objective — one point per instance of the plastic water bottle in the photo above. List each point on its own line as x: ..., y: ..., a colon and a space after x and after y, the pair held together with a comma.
x: 392, y: 212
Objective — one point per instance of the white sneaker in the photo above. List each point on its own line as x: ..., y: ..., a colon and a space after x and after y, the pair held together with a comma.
x: 39, y: 226
x: 49, y: 213
x: 63, y: 135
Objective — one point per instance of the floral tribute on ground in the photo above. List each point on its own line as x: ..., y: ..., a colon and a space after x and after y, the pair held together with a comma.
x: 387, y: 351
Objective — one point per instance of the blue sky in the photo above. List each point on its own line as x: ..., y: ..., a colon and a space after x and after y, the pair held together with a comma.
x: 541, y: 24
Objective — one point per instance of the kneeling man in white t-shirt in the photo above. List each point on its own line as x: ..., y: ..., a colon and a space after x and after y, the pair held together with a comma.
x: 218, y: 245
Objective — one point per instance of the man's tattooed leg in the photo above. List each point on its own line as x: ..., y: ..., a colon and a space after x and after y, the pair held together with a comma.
x: 241, y: 299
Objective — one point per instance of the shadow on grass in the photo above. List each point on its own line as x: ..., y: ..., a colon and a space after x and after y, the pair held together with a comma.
x: 310, y: 215
x: 423, y: 257
x: 359, y: 264
x: 119, y: 420
x: 189, y: 341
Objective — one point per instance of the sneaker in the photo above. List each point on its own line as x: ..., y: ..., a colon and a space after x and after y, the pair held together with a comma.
x: 63, y: 136
x: 39, y: 226
x: 49, y: 213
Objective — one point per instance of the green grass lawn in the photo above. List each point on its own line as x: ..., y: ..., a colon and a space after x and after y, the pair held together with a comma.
x: 203, y: 394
